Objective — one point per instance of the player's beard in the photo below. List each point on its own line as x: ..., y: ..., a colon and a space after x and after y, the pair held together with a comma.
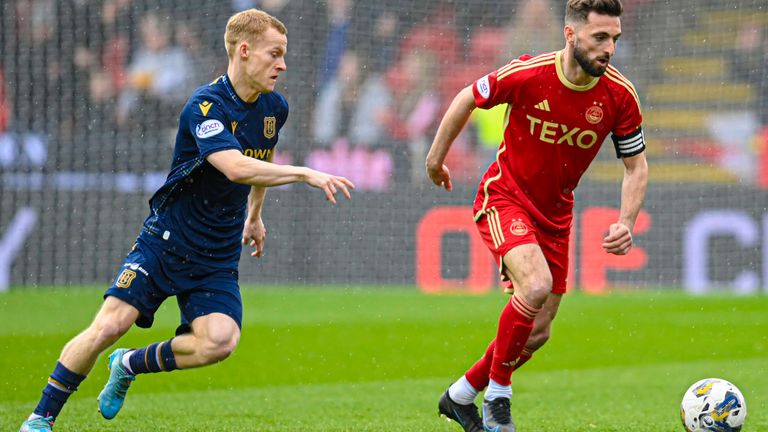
x: 582, y: 58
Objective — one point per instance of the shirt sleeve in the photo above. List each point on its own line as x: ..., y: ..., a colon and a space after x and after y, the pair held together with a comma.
x: 628, y: 137
x: 498, y: 87
x: 283, y: 112
x: 207, y: 122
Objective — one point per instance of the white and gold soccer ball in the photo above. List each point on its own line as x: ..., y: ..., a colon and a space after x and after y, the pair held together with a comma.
x: 713, y: 404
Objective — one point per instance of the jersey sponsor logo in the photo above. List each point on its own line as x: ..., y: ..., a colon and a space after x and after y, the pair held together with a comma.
x: 484, y: 87
x: 518, y: 227
x: 209, y: 128
x: 125, y: 279
x: 136, y: 266
x: 205, y: 106
x: 270, y: 127
x: 594, y: 114
x: 261, y: 154
x: 543, y: 105
x: 558, y: 133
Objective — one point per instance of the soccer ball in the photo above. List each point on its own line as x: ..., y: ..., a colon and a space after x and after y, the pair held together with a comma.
x: 713, y: 404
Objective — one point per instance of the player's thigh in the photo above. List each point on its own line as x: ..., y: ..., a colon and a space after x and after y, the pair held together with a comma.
x: 117, y: 314
x: 527, y: 268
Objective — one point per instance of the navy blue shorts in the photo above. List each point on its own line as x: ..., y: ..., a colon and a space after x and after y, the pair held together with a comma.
x: 155, y: 270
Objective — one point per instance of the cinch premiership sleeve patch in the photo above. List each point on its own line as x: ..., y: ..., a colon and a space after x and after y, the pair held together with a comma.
x: 629, y: 145
x: 209, y: 128
x: 484, y: 87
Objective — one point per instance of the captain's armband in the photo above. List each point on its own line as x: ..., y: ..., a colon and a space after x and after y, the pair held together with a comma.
x: 629, y: 145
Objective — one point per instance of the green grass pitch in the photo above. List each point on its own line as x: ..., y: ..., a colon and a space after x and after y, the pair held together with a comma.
x: 367, y: 359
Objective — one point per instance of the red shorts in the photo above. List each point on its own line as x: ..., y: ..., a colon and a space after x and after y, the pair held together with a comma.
x: 506, y: 226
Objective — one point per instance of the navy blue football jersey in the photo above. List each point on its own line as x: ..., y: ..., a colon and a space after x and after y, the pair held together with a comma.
x: 198, y: 211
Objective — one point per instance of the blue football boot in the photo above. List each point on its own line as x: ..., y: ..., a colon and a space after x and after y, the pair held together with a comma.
x: 112, y: 397
x: 40, y: 424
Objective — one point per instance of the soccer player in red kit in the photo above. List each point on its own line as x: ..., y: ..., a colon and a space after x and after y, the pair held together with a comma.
x: 560, y: 108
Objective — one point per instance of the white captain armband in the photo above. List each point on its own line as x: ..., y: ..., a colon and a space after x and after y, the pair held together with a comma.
x: 629, y: 145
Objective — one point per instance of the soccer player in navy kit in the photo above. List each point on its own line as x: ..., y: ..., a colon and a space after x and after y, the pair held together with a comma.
x: 190, y: 243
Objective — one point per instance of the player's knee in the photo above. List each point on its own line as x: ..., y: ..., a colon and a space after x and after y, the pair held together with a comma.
x: 538, y: 288
x: 218, y: 349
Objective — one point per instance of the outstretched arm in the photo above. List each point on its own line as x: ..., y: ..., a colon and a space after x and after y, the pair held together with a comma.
x: 451, y: 125
x: 242, y: 169
x: 619, y: 238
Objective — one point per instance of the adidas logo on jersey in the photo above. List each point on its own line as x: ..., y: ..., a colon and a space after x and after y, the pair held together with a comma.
x: 543, y: 105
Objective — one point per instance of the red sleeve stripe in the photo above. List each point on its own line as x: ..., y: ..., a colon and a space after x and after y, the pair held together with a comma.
x: 517, y: 65
x: 530, y: 60
x: 615, y: 76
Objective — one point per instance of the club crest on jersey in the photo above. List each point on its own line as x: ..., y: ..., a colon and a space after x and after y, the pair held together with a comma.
x: 518, y: 228
x: 125, y: 279
x: 594, y: 114
x: 270, y: 128
x: 209, y: 128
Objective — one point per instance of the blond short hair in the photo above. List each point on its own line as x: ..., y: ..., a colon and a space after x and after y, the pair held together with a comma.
x: 249, y: 25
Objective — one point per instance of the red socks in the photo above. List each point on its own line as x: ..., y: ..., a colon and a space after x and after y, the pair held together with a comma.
x: 507, y: 352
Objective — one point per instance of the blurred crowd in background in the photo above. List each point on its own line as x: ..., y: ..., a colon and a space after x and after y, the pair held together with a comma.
x: 97, y: 86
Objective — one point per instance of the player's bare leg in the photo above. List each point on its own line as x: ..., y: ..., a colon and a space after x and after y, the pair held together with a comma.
x: 212, y: 339
x: 77, y: 359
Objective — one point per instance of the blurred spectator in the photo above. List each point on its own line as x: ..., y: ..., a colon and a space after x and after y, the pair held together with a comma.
x: 346, y: 121
x: 750, y: 64
x: 436, y: 35
x: 751, y: 60
x: 339, y: 13
x: 36, y: 20
x: 349, y: 106
x: 535, y: 29
x: 5, y: 105
x: 414, y: 111
x: 158, y: 73
x: 337, y: 101
x: 383, y: 45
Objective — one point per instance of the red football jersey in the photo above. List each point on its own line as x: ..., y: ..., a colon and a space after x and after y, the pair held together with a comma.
x: 553, y: 129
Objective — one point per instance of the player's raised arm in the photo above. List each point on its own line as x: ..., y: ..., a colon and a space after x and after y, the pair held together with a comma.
x: 241, y: 169
x: 450, y: 127
x: 619, y: 238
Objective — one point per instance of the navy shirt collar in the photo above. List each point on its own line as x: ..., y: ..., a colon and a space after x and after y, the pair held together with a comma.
x: 233, y: 94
